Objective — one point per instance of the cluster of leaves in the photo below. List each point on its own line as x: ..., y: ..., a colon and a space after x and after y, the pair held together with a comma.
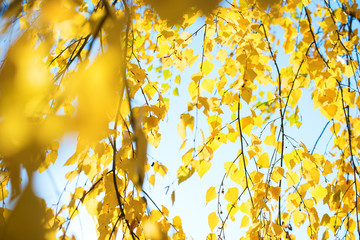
x: 84, y: 67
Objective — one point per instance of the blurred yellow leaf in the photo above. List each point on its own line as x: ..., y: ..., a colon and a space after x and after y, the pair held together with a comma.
x: 176, y: 92
x: 177, y: 222
x: 27, y: 218
x: 173, y: 197
x: 186, y: 120
x: 152, y: 180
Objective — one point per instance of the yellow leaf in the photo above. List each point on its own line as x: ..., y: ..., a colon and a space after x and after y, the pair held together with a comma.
x: 3, y: 193
x: 181, y: 129
x: 164, y: 87
x: 210, y: 194
x: 299, y: 217
x: 211, y: 236
x: 177, y: 79
x: 71, y: 175
x: 247, y: 124
x: 23, y: 23
x: 154, y: 139
x: 276, y: 229
x: 141, y: 150
x: 183, y: 144
x: 29, y: 212
x: 244, y: 221
x: 263, y: 161
x: 238, y: 177
x: 188, y: 157
x: 202, y: 167
x: 208, y: 84
x: 152, y: 230
x: 292, y: 178
x: 348, y: 71
x: 167, y: 34
x: 92, y: 207
x: 277, y: 174
x: 270, y: 140
x: 245, y: 208
x: 255, y: 139
x: 232, y: 194
x: 253, y: 150
x: 230, y: 167
x: 246, y: 94
x: 331, y: 110
x: 152, y: 180
x: 213, y: 220
x: 197, y: 76
x: 275, y: 192
x: 176, y: 92
x: 291, y: 159
x: 173, y: 197
x: 186, y: 120
x: 318, y: 192
x: 162, y: 170
x: 177, y: 222
x: 232, y: 209
x: 184, y: 173
x: 167, y: 74
x: 221, y: 55
x: 206, y: 67
x: 325, y: 220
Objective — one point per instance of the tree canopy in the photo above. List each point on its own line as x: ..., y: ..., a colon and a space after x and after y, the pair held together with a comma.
x: 109, y: 71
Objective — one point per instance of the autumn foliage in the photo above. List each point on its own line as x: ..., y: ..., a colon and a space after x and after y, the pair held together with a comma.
x: 108, y: 72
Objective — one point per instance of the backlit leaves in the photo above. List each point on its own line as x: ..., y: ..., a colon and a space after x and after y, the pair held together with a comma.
x: 246, y: 78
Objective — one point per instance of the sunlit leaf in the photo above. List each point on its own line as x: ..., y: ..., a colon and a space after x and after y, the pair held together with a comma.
x: 244, y: 221
x: 211, y: 236
x: 277, y: 174
x: 210, y: 194
x: 318, y: 192
x: 232, y: 195
x: 292, y: 178
x: 213, y: 220
x: 263, y: 161
x: 206, y: 67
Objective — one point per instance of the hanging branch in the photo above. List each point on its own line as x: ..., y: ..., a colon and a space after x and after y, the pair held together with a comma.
x: 346, y: 110
x: 281, y: 116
